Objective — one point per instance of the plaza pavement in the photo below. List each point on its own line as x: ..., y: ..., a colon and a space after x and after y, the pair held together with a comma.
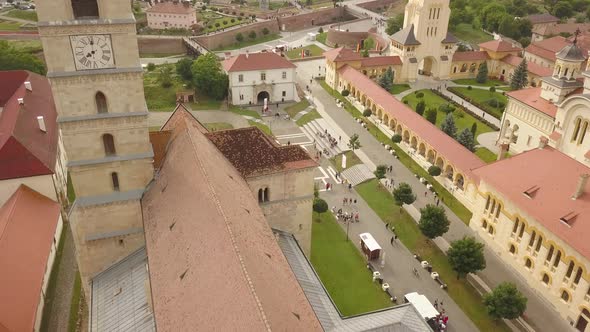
x: 539, y: 311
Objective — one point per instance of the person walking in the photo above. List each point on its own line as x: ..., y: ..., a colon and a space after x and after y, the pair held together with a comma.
x: 387, y: 226
x: 391, y: 241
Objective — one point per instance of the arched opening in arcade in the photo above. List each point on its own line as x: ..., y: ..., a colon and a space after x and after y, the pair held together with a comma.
x: 427, y: 66
x: 261, y: 96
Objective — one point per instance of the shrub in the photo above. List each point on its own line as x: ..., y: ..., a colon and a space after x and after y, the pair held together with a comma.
x: 495, y: 103
x: 420, y: 95
x: 434, y: 170
x: 233, y: 13
x: 319, y: 205
x: 420, y: 107
x: 380, y: 171
x: 367, y: 112
x: 447, y: 108
x: 217, y: 25
x: 204, y: 7
x: 396, y: 138
x: 345, y: 93
x: 492, y: 89
x: 405, y: 101
x: 239, y: 37
x: 209, y: 26
x: 252, y: 35
x: 460, y: 114
x: 321, y: 30
x: 469, y: 87
x: 151, y: 67
x: 265, y: 31
x: 241, y: 14
x: 232, y: 20
x: 224, y: 22
x: 239, y: 18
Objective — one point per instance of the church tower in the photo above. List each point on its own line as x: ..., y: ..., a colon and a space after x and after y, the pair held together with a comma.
x: 92, y: 58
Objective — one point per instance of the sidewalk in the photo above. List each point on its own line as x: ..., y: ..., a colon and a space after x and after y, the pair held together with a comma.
x: 539, y: 310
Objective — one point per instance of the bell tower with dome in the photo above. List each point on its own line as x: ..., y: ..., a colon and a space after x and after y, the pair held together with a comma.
x: 92, y: 58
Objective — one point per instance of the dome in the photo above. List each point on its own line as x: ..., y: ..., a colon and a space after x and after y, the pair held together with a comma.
x: 571, y: 53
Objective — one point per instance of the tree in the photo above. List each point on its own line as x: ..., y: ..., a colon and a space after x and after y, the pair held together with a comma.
x: 319, y: 205
x: 433, y: 221
x: 183, y: 68
x: 151, y: 66
x: 482, y: 73
x: 308, y: 2
x: 420, y: 107
x: 386, y: 80
x: 165, y: 77
x: 491, y: 15
x: 239, y: 37
x: 473, y: 128
x: 518, y: 80
x: 321, y: 30
x: 403, y: 194
x: 431, y: 115
x: 466, y: 139
x: 365, y: 53
x: 208, y: 77
x: 380, y: 171
x: 369, y: 44
x: 367, y: 112
x: 507, y: 27
x: 354, y: 142
x: 396, y: 138
x: 265, y: 31
x: 14, y: 59
x: 252, y: 35
x: 563, y: 9
x: 466, y: 256
x: 448, y: 126
x: 434, y: 170
x: 505, y: 301
x: 394, y: 24
x: 345, y: 93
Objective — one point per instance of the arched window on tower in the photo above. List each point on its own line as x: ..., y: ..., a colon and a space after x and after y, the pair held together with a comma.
x: 115, y: 179
x: 85, y: 8
x: 266, y: 195
x: 101, y: 103
x: 577, y: 124
x: 109, y: 144
x: 583, y: 132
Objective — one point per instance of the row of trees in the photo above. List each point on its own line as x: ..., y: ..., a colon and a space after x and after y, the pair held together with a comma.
x: 252, y: 35
x: 204, y: 74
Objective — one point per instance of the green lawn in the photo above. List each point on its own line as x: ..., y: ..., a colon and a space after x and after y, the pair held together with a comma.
x: 466, y: 297
x: 308, y: 117
x: 296, y: 52
x: 399, y: 88
x: 249, y: 42
x: 52, y: 284
x: 321, y: 37
x: 29, y: 15
x: 465, y: 32
x: 262, y: 127
x: 9, y: 26
x: 243, y: 111
x: 215, y: 126
x: 486, y: 155
x: 462, y: 119
x: 472, y: 81
x: 351, y: 160
x: 342, y: 269
x: 28, y: 46
x: 75, y: 304
x: 296, y: 108
x: 481, y: 97
x: 450, y: 201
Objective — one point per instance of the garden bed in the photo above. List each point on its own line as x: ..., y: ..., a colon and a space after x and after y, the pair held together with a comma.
x: 481, y: 98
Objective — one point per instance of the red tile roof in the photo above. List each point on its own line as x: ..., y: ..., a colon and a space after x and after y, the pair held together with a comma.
x: 532, y: 98
x: 542, y: 18
x: 253, y: 153
x: 499, y: 46
x: 445, y: 145
x: 25, y: 150
x: 159, y: 141
x: 170, y: 7
x: 342, y: 54
x: 28, y: 221
x: 256, y: 61
x: 550, y: 184
x: 469, y: 56
x: 532, y: 68
x: 381, y: 61
x: 547, y: 48
x: 214, y: 263
x: 557, y: 28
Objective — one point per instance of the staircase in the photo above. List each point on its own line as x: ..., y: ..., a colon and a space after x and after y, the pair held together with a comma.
x: 358, y: 174
x: 312, y: 130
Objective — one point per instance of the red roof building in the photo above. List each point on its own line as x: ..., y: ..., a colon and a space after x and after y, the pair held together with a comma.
x: 28, y: 128
x: 547, y: 48
x: 532, y: 97
x: 471, y: 56
x: 499, y: 46
x: 532, y: 67
x: 256, y: 61
x: 30, y: 224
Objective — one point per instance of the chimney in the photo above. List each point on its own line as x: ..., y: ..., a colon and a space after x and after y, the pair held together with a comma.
x: 21, y: 101
x: 41, y: 124
x: 504, y: 147
x: 247, y: 54
x: 28, y: 86
x: 543, y: 142
x: 581, y: 186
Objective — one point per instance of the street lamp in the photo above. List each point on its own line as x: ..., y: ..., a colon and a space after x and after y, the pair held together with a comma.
x: 347, y: 223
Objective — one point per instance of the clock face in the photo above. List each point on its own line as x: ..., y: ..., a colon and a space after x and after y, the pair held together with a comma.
x: 92, y: 52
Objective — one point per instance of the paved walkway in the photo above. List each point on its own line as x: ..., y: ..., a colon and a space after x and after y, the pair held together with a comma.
x: 539, y: 310
x: 60, y: 309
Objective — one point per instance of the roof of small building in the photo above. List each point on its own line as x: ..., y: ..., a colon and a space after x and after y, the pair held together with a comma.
x: 171, y: 7
x: 406, y: 36
x: 470, y: 56
x: 342, y: 54
x: 445, y: 145
x: 571, y: 53
x: 25, y: 150
x: 256, y: 61
x: 541, y: 182
x: 214, y: 263
x: 547, y: 48
x: 254, y: 153
x: 28, y: 222
x: 449, y: 38
x: 542, y: 18
x: 532, y: 67
x: 499, y: 46
x: 532, y: 98
x: 377, y: 61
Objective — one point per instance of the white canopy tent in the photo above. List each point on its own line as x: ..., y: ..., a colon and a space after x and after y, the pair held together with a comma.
x: 422, y: 304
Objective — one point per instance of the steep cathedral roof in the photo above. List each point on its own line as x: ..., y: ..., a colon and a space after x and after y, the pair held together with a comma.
x: 214, y: 262
x: 406, y: 36
x: 571, y: 53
